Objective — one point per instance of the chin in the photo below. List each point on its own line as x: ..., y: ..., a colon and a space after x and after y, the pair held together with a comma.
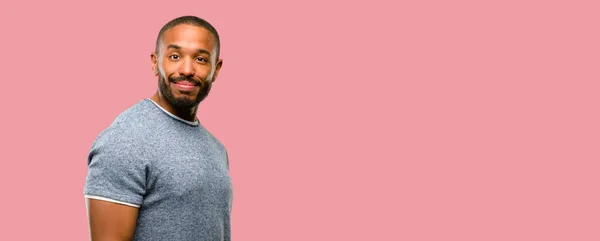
x: 183, y: 103
x: 180, y: 101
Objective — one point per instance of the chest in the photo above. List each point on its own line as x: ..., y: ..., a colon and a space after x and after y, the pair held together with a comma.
x: 195, y: 171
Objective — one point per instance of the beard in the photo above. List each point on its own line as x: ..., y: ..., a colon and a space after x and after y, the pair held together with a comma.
x: 185, y: 101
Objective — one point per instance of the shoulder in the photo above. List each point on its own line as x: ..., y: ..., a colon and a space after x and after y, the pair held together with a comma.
x: 129, y: 128
x: 215, y: 146
x: 212, y: 138
x: 135, y: 117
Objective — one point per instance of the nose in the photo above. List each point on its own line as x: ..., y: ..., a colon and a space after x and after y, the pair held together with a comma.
x: 186, y: 68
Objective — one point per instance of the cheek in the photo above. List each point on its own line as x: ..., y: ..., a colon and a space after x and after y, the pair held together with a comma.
x: 167, y: 68
x: 204, y: 73
x: 161, y: 71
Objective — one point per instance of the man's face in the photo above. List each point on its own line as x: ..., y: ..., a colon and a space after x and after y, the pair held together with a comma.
x: 186, y: 65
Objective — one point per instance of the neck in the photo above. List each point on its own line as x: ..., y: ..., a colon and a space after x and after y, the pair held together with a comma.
x: 188, y: 114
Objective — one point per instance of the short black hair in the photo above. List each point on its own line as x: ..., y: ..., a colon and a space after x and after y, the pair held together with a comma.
x: 194, y: 21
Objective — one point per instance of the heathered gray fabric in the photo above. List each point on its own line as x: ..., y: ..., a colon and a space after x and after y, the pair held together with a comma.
x: 178, y: 173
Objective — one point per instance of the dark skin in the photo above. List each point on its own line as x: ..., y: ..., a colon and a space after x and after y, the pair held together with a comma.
x: 111, y: 221
x: 186, y: 70
x: 186, y: 53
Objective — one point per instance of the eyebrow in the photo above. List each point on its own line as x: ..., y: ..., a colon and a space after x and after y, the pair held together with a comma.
x: 177, y: 47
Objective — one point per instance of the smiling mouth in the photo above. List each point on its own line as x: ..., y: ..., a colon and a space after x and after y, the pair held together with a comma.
x: 184, y: 85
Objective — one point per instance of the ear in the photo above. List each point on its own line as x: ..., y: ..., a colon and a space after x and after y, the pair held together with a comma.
x: 217, y: 68
x: 154, y: 59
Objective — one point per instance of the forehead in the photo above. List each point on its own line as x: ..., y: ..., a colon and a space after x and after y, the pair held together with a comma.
x: 189, y: 37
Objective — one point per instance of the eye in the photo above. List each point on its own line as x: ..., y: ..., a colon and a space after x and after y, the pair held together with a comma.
x: 174, y: 57
x: 201, y: 59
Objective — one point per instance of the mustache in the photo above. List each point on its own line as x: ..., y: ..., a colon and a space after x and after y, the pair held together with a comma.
x: 185, y: 78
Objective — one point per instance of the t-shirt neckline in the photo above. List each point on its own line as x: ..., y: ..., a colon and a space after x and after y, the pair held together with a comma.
x: 193, y: 123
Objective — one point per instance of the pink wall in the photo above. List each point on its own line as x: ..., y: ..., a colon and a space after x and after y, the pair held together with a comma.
x: 373, y: 120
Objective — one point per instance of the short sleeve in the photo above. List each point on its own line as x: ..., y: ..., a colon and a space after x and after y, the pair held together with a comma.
x: 115, y: 170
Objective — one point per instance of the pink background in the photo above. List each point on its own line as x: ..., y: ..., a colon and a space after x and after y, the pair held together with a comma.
x: 364, y: 120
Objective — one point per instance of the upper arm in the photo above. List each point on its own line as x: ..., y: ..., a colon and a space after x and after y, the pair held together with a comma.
x: 115, y: 184
x: 110, y: 221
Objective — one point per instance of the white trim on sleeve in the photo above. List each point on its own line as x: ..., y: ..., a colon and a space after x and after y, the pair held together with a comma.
x: 111, y: 200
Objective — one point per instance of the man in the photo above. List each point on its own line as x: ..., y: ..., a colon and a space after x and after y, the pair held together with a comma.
x: 155, y: 173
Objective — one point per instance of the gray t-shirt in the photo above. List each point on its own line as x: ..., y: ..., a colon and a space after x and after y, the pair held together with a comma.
x: 175, y: 171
